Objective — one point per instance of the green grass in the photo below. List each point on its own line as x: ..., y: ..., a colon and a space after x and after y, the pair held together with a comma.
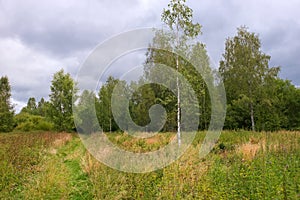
x: 242, y: 165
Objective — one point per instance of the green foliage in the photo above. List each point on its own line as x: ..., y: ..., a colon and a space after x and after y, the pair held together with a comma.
x: 31, y: 107
x: 85, y: 112
x: 163, y: 96
x: 6, y: 108
x: 287, y: 105
x: 247, y: 78
x: 42, y: 107
x: 27, y: 122
x: 62, y: 98
x: 179, y: 16
x: 103, y: 106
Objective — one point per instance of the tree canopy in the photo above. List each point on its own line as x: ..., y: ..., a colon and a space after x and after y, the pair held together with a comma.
x: 62, y: 97
x: 6, y: 107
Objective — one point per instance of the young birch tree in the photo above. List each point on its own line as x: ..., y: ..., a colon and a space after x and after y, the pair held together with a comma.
x: 179, y: 17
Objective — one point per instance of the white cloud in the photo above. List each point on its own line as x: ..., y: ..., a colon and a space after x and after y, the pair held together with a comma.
x: 18, y: 105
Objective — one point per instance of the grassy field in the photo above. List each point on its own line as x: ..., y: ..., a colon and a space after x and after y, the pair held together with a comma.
x: 243, y: 165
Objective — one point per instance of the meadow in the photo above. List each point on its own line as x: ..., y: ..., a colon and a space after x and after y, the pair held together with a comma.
x: 242, y: 165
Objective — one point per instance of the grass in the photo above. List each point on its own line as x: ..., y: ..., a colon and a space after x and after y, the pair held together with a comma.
x: 242, y: 165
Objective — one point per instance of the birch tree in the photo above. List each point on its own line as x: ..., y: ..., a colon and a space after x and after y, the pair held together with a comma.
x: 245, y: 71
x: 178, y: 16
x: 62, y: 98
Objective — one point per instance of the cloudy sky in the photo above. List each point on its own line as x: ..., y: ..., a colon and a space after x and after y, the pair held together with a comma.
x: 37, y: 38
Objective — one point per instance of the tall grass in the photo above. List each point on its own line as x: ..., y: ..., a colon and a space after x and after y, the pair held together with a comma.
x: 242, y: 165
x: 20, y: 155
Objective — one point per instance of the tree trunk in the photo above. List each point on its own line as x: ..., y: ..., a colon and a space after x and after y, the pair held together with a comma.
x: 252, y: 117
x: 178, y: 89
x: 109, y: 124
x: 178, y: 107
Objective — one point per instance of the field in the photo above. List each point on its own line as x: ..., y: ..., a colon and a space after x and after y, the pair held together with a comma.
x: 243, y: 165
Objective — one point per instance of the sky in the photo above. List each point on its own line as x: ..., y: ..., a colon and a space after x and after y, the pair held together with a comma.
x: 38, y: 38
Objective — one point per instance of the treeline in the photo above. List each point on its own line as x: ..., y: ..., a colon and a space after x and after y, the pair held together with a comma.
x: 55, y: 114
x: 257, y: 98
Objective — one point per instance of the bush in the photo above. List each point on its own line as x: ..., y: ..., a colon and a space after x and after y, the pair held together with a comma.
x: 45, y: 126
x: 27, y: 122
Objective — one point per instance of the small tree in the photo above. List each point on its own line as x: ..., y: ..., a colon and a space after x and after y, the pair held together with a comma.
x: 42, y: 107
x: 31, y: 107
x: 85, y: 111
x: 6, y: 108
x: 61, y: 101
x: 104, y: 107
x: 179, y: 17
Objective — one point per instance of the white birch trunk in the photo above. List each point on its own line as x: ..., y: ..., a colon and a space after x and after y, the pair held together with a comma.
x: 178, y: 88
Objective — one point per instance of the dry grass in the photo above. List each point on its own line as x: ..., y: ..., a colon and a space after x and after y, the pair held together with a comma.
x: 250, y: 149
x: 61, y: 140
x: 153, y: 140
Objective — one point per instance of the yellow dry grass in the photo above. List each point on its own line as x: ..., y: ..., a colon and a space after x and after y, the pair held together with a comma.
x: 250, y: 149
x: 62, y: 139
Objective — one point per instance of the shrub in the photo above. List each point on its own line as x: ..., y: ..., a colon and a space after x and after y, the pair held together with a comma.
x: 27, y: 122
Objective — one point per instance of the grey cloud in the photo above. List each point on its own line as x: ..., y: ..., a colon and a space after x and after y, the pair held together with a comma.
x: 276, y: 22
x: 60, y: 27
x: 37, y: 38
x: 29, y: 71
